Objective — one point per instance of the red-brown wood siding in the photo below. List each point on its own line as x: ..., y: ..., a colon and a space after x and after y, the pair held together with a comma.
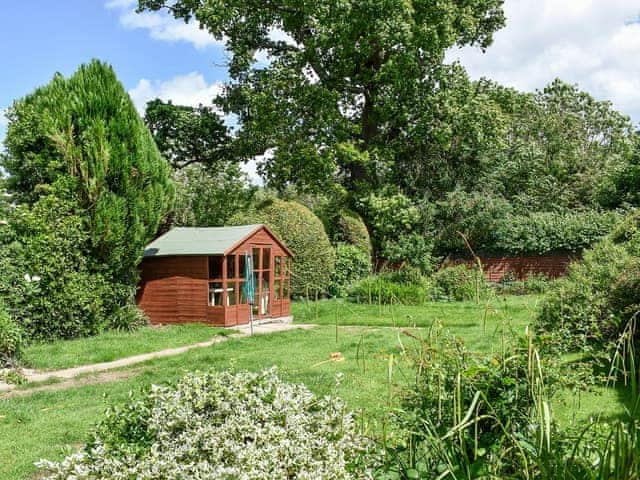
x: 521, y: 267
x: 176, y: 289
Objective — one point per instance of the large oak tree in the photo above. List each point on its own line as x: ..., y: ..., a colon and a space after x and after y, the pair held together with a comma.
x: 342, y: 81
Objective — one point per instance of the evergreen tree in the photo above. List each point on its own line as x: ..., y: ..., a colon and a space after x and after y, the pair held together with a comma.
x: 82, y: 140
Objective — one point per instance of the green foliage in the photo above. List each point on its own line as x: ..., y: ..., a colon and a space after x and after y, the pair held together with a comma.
x: 10, y: 338
x: 460, y: 282
x: 303, y: 233
x: 392, y: 288
x: 352, y: 264
x: 399, y: 230
x: 50, y: 288
x: 345, y: 226
x: 208, y: 197
x: 592, y: 305
x: 475, y: 215
x: 491, y: 224
x: 544, y: 232
x: 494, y: 389
x: 562, y: 147
x: 82, y: 139
x: 533, y: 284
x: 187, y: 135
x: 375, y: 60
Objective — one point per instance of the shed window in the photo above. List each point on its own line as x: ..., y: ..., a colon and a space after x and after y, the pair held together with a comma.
x: 231, y: 296
x: 215, y: 294
x: 242, y: 263
x: 276, y: 267
x: 231, y: 266
x: 215, y: 266
x: 266, y: 258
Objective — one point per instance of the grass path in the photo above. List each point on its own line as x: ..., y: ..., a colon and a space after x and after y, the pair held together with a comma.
x: 33, y: 376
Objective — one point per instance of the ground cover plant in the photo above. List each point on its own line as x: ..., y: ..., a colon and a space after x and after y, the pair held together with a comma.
x: 221, y: 425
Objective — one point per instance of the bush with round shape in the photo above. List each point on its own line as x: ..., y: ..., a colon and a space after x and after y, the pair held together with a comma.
x: 48, y: 285
x: 346, y: 226
x: 250, y: 426
x: 352, y: 264
x: 303, y: 233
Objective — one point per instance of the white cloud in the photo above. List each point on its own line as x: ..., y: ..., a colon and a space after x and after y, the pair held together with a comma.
x: 162, y: 26
x: 190, y: 89
x: 592, y: 43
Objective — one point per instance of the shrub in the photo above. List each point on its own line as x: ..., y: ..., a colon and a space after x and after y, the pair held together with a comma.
x: 593, y: 304
x: 346, y: 226
x: 533, y: 284
x: 223, y: 425
x: 303, y: 233
x: 352, y: 264
x: 10, y: 338
x: 460, y: 282
x: 544, y: 232
x: 399, y: 229
x: 495, y: 393
x: 49, y: 287
x: 391, y: 288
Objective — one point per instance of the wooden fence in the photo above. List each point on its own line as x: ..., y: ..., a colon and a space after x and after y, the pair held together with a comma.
x: 520, y: 267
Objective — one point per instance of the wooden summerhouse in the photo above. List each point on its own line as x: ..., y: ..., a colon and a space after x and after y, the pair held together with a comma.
x: 198, y: 275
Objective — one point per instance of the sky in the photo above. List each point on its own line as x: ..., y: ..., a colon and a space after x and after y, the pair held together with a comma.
x: 594, y: 43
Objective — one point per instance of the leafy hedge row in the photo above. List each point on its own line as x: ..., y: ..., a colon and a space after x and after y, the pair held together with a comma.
x: 544, y: 232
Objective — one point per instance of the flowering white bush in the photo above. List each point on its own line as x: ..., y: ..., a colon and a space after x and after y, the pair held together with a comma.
x: 246, y: 426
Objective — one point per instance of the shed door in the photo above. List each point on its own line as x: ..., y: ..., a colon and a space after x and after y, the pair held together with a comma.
x: 262, y: 271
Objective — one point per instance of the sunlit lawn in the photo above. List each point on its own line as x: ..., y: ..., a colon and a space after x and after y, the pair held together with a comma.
x: 51, y: 424
x: 113, y: 345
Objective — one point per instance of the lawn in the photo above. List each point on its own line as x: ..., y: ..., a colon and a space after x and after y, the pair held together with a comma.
x: 51, y: 424
x: 482, y: 326
x: 113, y: 345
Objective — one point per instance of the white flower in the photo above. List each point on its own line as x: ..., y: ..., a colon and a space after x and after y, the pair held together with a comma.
x: 246, y: 426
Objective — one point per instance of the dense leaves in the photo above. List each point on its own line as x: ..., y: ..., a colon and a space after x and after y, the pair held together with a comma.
x: 352, y: 264
x: 49, y: 287
x: 340, y: 79
x: 92, y: 189
x: 208, y: 196
x: 592, y: 306
x: 251, y: 426
x: 187, y: 135
x: 84, y: 133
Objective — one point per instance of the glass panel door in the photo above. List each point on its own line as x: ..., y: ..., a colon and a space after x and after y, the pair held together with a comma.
x: 262, y: 272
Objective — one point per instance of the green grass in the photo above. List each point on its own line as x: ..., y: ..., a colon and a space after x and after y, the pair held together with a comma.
x: 51, y: 424
x: 483, y: 326
x: 114, y: 345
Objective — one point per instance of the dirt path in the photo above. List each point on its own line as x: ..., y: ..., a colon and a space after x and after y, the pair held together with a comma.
x: 69, y: 374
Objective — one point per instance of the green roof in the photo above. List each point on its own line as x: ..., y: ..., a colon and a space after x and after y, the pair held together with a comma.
x: 198, y: 241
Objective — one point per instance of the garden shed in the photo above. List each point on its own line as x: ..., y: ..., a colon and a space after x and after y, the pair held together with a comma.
x: 198, y: 275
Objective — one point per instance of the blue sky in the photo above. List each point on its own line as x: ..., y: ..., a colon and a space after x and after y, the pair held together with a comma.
x: 593, y: 43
